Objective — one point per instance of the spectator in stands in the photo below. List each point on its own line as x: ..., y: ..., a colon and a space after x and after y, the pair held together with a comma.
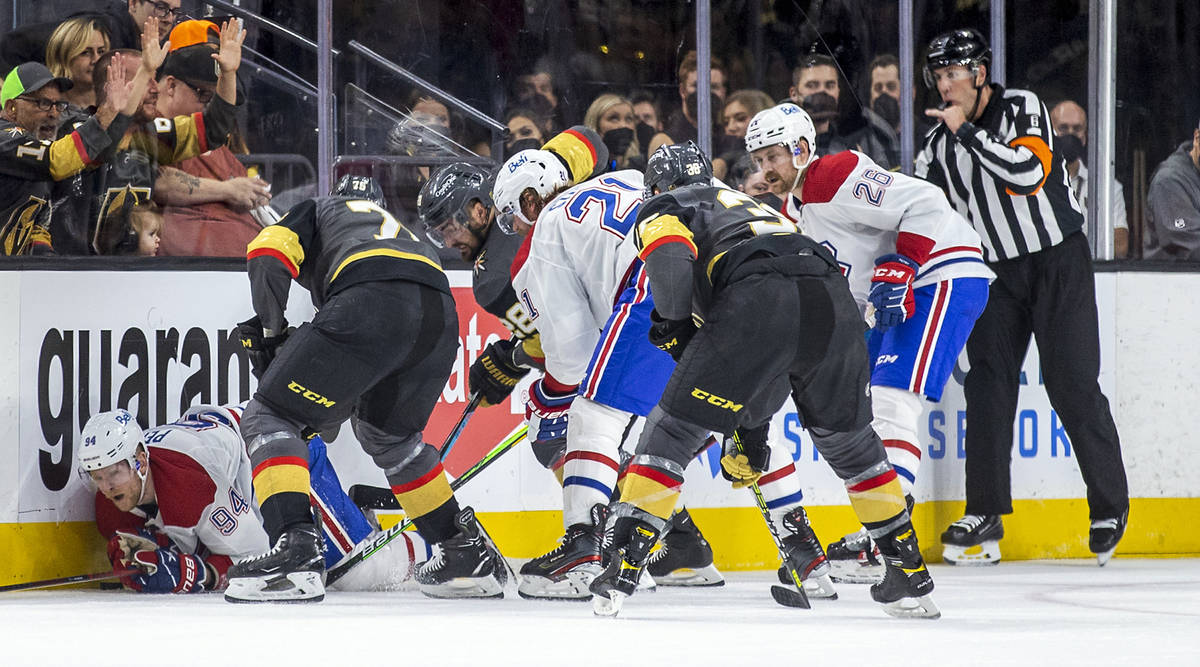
x: 1173, y: 205
x: 169, y: 140
x: 32, y: 99
x: 739, y: 108
x: 816, y: 89
x: 122, y: 20
x: 746, y: 175
x: 74, y: 47
x: 208, y: 198
x: 535, y: 91
x: 612, y: 117
x: 523, y: 131
x: 649, y: 119
x: 880, y: 139
x: 135, y: 229
x: 683, y: 126
x: 1070, y: 141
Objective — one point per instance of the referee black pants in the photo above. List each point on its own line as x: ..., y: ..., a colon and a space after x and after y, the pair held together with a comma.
x: 1050, y: 294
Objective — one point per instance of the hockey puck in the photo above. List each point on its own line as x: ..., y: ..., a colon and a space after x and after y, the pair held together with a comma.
x: 790, y: 597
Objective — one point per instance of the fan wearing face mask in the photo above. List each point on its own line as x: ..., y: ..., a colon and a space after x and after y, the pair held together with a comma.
x: 612, y: 117
x: 1070, y: 137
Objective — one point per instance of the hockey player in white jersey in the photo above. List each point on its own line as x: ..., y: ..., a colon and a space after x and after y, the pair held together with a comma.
x: 912, y: 263
x: 584, y: 287
x: 176, y: 502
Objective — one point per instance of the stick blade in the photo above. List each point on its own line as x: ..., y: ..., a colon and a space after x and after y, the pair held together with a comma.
x: 790, y: 597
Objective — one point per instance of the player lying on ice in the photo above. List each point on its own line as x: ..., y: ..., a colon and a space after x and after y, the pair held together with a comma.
x: 176, y: 503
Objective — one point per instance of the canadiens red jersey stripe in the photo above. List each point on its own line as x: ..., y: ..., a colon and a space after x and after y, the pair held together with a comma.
x: 335, y: 530
x: 929, y: 338
x: 904, y: 445
x: 614, y: 333
x: 591, y: 456
x: 777, y: 475
x: 876, y: 481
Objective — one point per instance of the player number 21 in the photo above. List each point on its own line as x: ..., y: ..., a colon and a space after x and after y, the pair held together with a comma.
x: 390, y: 227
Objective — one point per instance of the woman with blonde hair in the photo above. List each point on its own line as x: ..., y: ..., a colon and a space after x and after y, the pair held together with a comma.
x: 73, y: 49
x: 611, y: 116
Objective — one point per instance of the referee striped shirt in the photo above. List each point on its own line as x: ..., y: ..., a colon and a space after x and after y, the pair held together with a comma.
x: 1003, y: 176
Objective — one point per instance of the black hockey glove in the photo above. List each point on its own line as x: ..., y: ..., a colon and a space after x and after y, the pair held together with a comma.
x: 671, y: 336
x: 495, y: 372
x: 746, y: 455
x: 258, y: 346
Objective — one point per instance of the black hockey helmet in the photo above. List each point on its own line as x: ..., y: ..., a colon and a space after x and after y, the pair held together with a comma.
x: 677, y: 165
x: 445, y: 197
x: 966, y: 47
x: 359, y: 187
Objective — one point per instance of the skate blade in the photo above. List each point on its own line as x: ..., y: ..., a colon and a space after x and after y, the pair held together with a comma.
x: 608, y: 605
x: 572, y: 587
x: 692, y: 577
x: 465, y: 588
x: 850, y: 572
x: 918, y: 607
x: 820, y: 588
x: 986, y: 553
x: 294, y: 587
x: 646, y: 583
x: 1104, y: 556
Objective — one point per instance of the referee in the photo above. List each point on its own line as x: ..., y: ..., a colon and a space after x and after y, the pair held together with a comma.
x: 992, y: 154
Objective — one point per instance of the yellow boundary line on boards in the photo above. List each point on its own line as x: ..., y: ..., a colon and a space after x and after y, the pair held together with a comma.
x: 1159, y: 527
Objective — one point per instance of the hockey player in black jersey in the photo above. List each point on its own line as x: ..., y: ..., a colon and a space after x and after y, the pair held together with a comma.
x: 378, y: 351
x: 714, y: 257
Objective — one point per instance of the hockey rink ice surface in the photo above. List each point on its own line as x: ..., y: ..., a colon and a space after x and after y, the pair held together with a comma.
x: 1131, y: 612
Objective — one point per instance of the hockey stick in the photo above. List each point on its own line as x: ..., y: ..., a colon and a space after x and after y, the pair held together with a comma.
x: 787, y: 597
x: 364, y: 550
x: 75, y: 579
x: 462, y: 424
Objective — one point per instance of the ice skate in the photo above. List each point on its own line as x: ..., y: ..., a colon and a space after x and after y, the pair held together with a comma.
x: 1104, y: 536
x: 683, y: 557
x: 973, y: 540
x: 626, y: 552
x: 906, y: 586
x: 565, y: 572
x: 804, y: 554
x: 292, y: 571
x: 855, y: 559
x: 463, y: 566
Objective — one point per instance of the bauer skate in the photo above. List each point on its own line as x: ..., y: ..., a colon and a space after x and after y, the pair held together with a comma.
x: 683, y: 557
x: 1104, y: 536
x: 626, y: 552
x: 463, y: 566
x: 805, y: 555
x: 292, y: 571
x: 906, y: 586
x: 565, y: 572
x: 973, y: 540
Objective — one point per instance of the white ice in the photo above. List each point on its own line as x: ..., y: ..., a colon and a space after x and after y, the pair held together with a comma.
x: 1132, y: 612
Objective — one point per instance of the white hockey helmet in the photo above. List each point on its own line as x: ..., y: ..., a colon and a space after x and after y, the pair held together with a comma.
x: 109, y: 438
x: 533, y: 168
x: 784, y: 124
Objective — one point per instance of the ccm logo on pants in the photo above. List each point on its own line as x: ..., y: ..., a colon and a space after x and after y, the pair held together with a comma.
x: 713, y: 399
x: 312, y: 395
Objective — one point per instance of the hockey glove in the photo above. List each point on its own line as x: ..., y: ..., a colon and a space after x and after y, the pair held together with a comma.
x: 496, y: 372
x: 546, y: 410
x: 168, y: 571
x: 259, y: 347
x: 671, y: 336
x: 746, y: 456
x: 891, y: 290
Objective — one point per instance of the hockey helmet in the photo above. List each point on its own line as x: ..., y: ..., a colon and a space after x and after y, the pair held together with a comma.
x: 534, y: 168
x: 784, y: 124
x: 676, y: 165
x: 359, y: 187
x: 445, y: 196
x: 966, y: 47
x: 109, y: 438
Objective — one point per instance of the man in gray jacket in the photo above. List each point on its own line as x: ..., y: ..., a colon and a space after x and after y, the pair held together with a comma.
x: 1173, y: 204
